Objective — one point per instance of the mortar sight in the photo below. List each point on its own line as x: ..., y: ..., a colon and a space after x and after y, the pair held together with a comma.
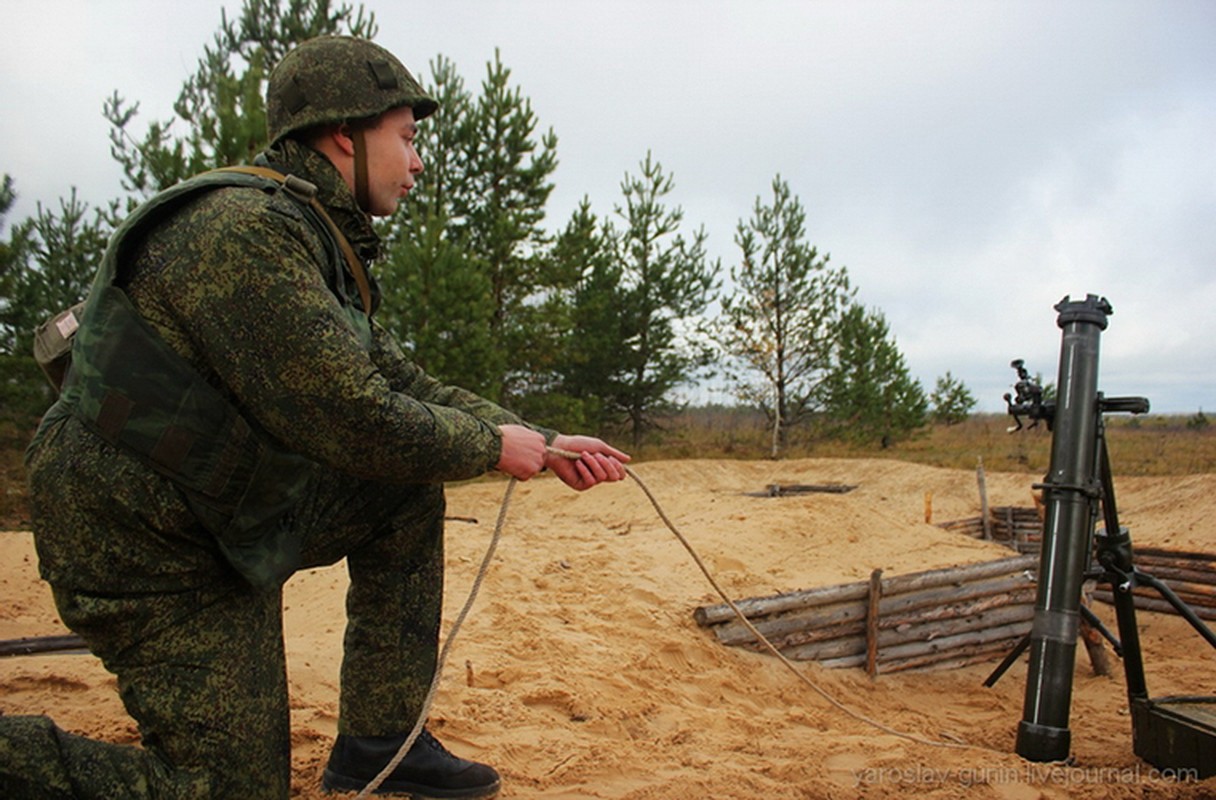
x: 1028, y: 401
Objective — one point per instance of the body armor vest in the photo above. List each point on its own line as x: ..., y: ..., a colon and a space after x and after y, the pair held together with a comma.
x: 131, y: 388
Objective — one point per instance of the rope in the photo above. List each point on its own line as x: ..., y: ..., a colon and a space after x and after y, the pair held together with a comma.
x: 480, y: 578
x: 447, y: 645
x: 763, y: 640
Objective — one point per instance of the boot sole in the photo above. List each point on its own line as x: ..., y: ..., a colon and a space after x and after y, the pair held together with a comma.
x: 333, y: 782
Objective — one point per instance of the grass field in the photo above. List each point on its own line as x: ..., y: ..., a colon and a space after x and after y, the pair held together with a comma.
x: 1150, y: 445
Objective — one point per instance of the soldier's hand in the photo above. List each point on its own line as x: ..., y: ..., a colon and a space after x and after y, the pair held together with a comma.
x: 523, y: 452
x: 598, y: 462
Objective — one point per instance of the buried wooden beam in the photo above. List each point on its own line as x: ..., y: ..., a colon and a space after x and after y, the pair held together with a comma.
x: 34, y: 645
x: 785, y: 490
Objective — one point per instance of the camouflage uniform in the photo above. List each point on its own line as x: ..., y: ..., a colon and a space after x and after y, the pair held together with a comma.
x: 248, y: 293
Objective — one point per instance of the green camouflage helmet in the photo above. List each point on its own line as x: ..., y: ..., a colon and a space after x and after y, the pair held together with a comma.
x: 336, y: 79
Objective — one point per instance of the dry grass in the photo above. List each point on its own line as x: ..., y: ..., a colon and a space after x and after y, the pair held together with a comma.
x: 1152, y: 445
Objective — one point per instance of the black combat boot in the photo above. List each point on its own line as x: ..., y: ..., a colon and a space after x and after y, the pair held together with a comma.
x: 428, y: 771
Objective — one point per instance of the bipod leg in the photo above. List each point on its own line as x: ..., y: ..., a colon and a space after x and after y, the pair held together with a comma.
x: 1115, y: 556
x: 1097, y: 625
x: 1143, y: 578
x: 1004, y: 666
x: 1021, y: 646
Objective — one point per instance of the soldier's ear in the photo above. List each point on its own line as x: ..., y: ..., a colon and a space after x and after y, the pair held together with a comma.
x: 342, y: 137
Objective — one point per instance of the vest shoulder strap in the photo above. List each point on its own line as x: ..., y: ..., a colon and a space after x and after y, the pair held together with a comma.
x: 298, y: 188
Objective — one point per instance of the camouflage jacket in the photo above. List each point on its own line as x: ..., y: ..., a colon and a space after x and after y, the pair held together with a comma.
x: 247, y: 293
x: 239, y: 285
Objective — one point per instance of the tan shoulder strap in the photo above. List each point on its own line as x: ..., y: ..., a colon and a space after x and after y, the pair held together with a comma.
x: 305, y: 191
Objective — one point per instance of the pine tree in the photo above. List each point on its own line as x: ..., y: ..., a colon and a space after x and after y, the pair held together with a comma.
x: 14, y: 264
x: 438, y: 302
x: 869, y: 395
x: 222, y: 105
x: 485, y: 185
x: 437, y: 297
x: 779, y: 323
x: 501, y: 208
x: 47, y: 266
x: 952, y: 401
x: 588, y: 362
x: 667, y: 282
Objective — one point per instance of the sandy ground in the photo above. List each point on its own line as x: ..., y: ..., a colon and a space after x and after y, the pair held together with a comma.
x: 581, y: 673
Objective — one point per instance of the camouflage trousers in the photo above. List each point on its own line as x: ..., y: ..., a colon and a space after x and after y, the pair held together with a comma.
x: 198, y: 653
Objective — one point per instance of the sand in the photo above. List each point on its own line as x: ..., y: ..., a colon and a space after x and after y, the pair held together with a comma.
x: 581, y: 673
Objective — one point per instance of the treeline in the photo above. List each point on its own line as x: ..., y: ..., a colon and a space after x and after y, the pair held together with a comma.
x: 594, y: 327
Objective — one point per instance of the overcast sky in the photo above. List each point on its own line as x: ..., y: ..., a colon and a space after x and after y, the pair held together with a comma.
x: 969, y: 163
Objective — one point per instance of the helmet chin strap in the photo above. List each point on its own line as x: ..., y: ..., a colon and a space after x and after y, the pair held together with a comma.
x: 362, y: 196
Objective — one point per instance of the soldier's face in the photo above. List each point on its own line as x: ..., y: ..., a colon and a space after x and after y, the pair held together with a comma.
x: 392, y: 161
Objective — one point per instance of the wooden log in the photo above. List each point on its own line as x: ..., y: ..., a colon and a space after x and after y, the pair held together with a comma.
x: 1011, y: 630
x: 996, y: 639
x: 1162, y: 552
x: 1095, y: 648
x: 1202, y: 592
x: 778, y: 490
x: 973, y: 527
x: 842, y: 662
x: 763, y: 606
x: 1153, y: 604
x: 964, y: 608
x: 945, y: 596
x: 851, y: 630
x: 937, y: 629
x: 1030, y: 525
x: 969, y: 607
x: 872, y: 623
x: 1017, y: 512
x: 958, y: 575
x: 950, y: 659
x: 1024, y: 528
x: 954, y: 659
x: 852, y: 612
x: 998, y: 645
x: 831, y: 648
x: 918, y: 637
x: 823, y: 621
x: 983, y: 487
x: 1172, y: 572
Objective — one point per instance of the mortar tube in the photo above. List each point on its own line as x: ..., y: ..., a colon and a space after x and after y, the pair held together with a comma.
x: 1071, y: 496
